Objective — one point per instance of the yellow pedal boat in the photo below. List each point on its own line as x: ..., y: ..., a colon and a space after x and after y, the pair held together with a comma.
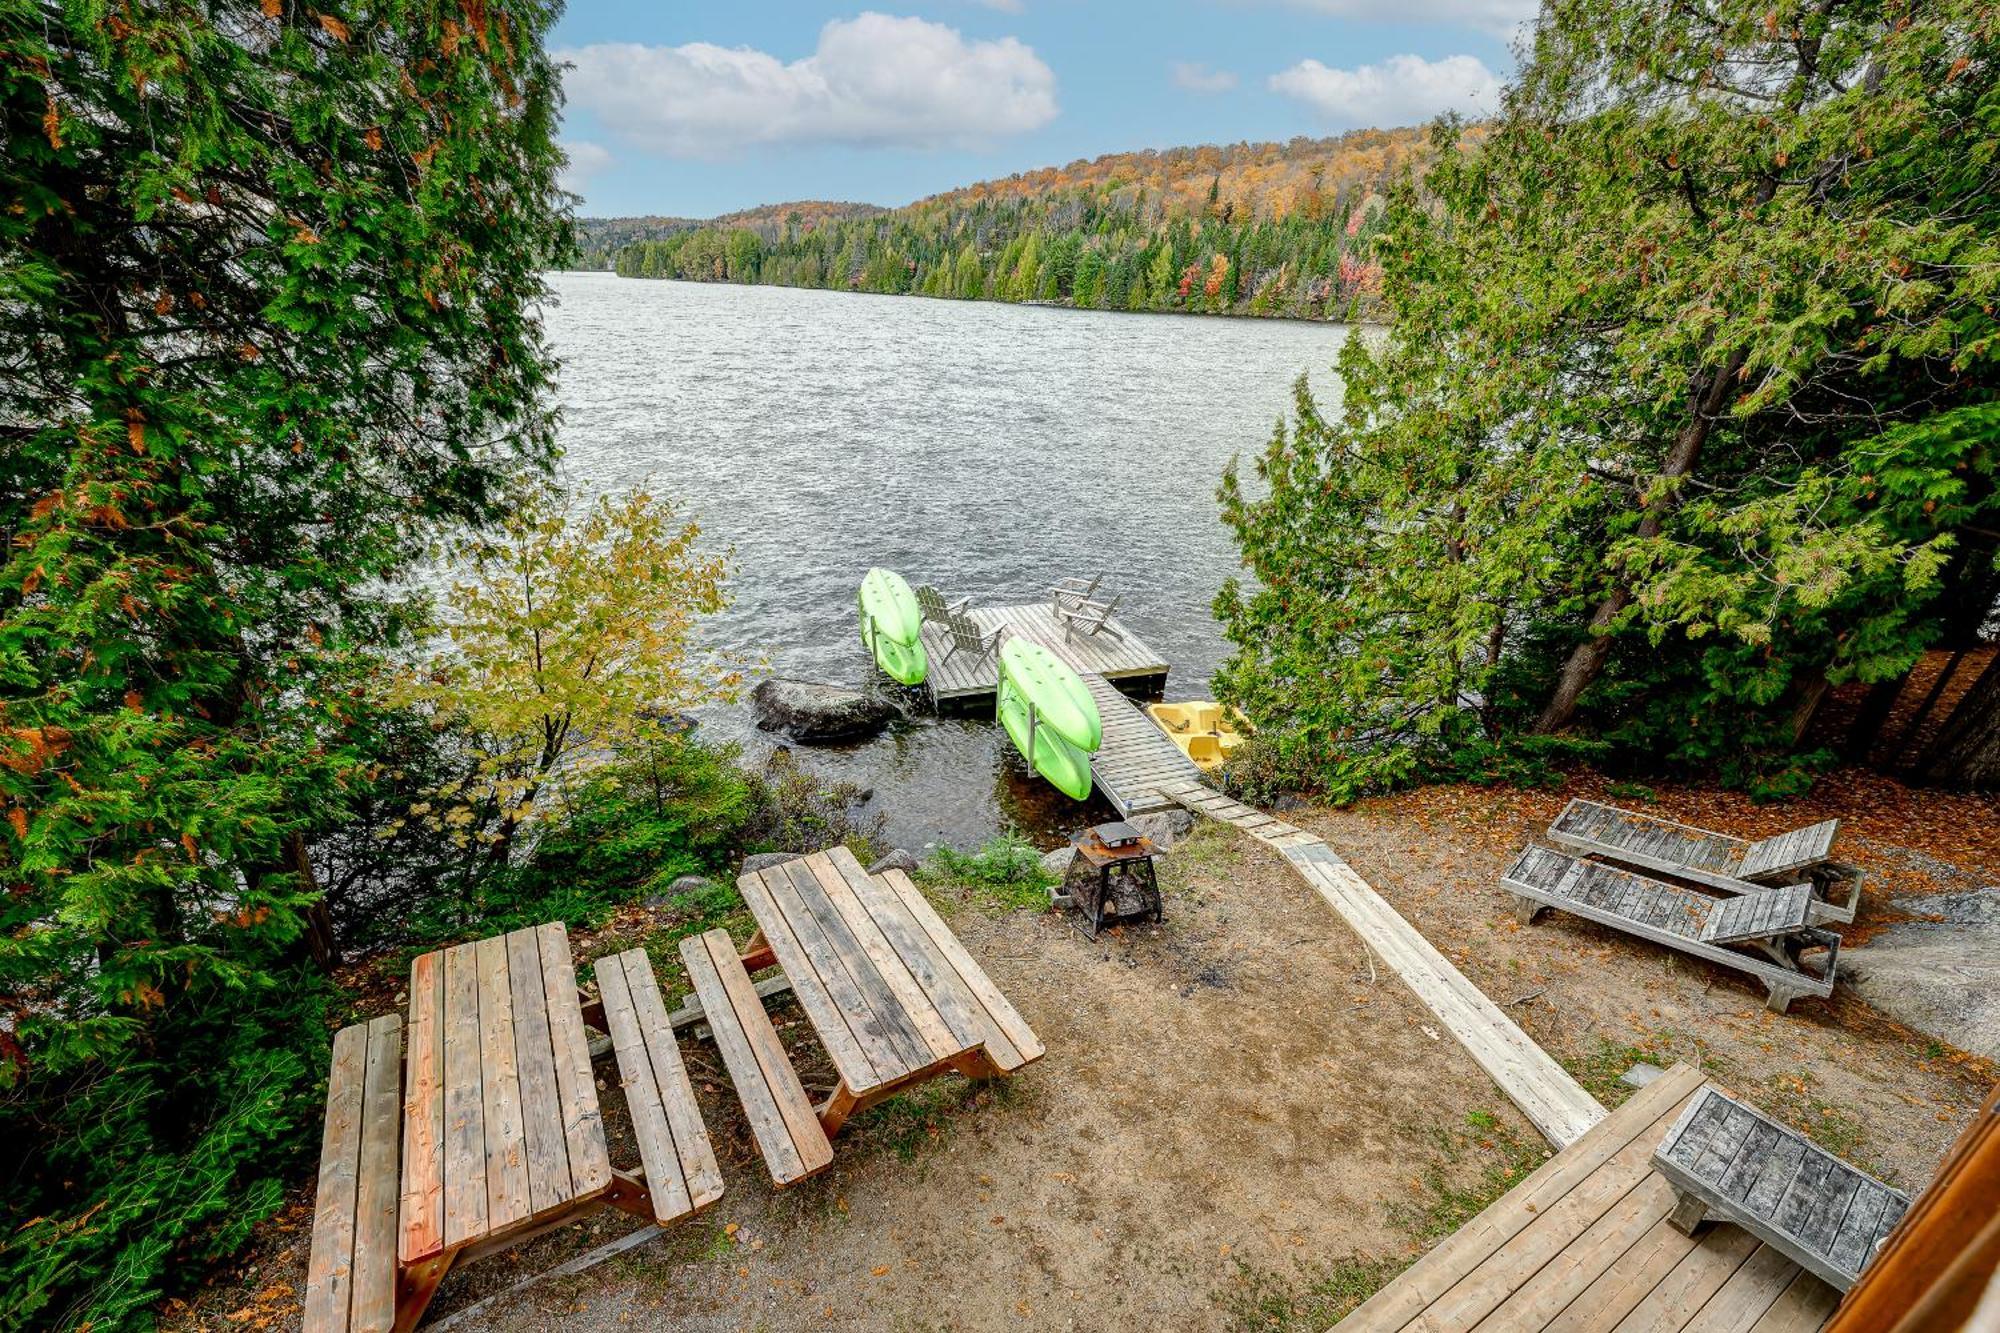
x: 1207, y: 732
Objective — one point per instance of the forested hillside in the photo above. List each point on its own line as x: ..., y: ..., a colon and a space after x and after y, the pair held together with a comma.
x: 599, y: 240
x: 1261, y: 229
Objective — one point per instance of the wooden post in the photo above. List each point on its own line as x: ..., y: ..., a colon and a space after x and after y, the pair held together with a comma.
x: 834, y: 1111
x: 757, y: 954
x: 1688, y: 1214
x: 415, y: 1287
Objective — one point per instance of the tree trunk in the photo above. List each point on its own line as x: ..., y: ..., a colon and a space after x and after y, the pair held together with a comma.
x: 1587, y: 659
x: 1812, y: 692
x: 1871, y: 717
x: 1968, y: 755
x: 322, y: 944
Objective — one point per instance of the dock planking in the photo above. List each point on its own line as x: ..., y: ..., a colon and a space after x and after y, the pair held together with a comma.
x: 1137, y: 763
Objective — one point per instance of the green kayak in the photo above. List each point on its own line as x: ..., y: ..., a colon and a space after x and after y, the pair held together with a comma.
x: 1061, y: 700
x: 892, y: 626
x: 1047, y: 712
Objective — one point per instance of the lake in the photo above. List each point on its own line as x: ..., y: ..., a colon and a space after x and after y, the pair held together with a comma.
x: 988, y: 449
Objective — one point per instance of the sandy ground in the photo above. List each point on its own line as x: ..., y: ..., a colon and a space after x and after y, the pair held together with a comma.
x: 1235, y: 1102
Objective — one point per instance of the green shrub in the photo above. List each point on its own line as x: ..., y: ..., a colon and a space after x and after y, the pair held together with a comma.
x: 1006, y: 870
x: 125, y: 1179
x: 793, y: 810
x: 678, y: 807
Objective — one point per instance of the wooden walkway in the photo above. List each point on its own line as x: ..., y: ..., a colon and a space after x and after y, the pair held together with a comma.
x: 1137, y: 763
x: 1543, y: 1089
x: 962, y: 678
x: 1583, y: 1245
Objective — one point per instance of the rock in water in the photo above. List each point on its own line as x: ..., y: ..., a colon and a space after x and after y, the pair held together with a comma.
x: 1941, y: 976
x: 895, y: 860
x: 812, y: 713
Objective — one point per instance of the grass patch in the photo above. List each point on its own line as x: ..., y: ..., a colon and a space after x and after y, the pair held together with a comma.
x: 1601, y: 1072
x: 1493, y: 1156
x: 1317, y: 1297
x: 1006, y: 873
x: 914, y: 1124
x: 1207, y: 848
x: 1502, y: 1159
x: 1795, y: 1099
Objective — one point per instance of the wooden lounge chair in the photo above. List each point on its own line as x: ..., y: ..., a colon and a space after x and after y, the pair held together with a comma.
x: 1090, y: 619
x: 1730, y: 1161
x: 1066, y: 593
x: 1733, y: 865
x: 1773, y: 921
x: 934, y: 608
x: 963, y: 635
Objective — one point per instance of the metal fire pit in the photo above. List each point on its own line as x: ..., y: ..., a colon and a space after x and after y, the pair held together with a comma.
x: 1123, y: 860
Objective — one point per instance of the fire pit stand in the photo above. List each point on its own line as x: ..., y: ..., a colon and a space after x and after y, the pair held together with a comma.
x: 1123, y: 859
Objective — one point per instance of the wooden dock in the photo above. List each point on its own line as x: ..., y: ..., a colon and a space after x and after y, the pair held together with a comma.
x: 1584, y: 1243
x: 1125, y: 658
x: 1136, y: 762
x: 1529, y: 1075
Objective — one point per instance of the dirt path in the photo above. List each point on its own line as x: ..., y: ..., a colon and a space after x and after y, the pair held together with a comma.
x: 1241, y: 1122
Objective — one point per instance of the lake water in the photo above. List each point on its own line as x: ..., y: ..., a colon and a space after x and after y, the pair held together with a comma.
x: 987, y: 449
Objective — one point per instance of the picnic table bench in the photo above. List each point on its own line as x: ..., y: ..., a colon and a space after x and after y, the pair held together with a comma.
x: 487, y: 1103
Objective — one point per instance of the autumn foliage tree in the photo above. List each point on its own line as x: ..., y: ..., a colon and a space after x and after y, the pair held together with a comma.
x: 268, y: 274
x: 1687, y: 411
x: 570, y: 642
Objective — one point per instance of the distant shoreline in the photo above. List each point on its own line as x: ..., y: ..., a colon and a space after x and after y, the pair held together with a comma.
x: 1358, y: 322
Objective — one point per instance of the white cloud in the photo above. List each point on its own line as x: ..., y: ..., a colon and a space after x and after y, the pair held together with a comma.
x: 874, y: 80
x: 1402, y: 90
x: 1499, y: 17
x: 1196, y: 77
x: 586, y: 161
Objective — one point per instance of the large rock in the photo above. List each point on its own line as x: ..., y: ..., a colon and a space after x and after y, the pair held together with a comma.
x: 1164, y: 826
x: 1940, y: 976
x: 895, y: 860
x: 812, y: 713
x: 765, y: 860
x: 1057, y: 862
x: 681, y: 885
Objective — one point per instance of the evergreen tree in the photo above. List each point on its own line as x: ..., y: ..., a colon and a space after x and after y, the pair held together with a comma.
x: 270, y: 276
x: 1687, y: 401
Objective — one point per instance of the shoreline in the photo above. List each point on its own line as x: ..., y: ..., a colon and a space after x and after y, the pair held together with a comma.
x: 1357, y: 323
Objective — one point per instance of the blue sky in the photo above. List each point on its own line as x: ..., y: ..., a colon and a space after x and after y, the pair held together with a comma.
x: 695, y: 109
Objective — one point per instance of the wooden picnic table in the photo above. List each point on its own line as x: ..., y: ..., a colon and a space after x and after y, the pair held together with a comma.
x: 892, y: 993
x: 502, y: 1136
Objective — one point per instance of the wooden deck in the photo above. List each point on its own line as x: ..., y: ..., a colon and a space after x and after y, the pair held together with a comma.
x: 961, y: 678
x: 1528, y: 1075
x: 1583, y: 1245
